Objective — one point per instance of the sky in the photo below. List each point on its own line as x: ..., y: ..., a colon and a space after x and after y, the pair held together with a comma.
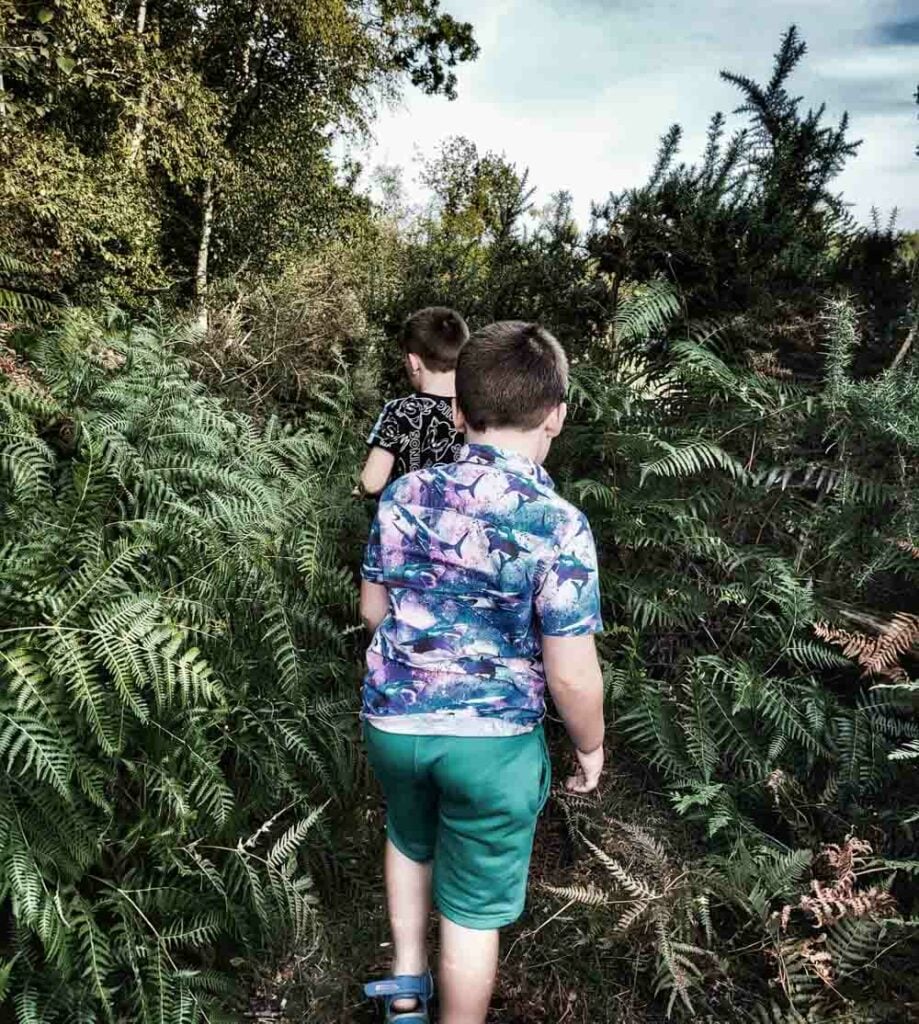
x: 580, y: 91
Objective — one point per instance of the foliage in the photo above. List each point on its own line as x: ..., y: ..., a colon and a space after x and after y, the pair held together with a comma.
x: 144, y: 141
x: 719, y: 588
x: 707, y: 931
x: 481, y: 247
x: 73, y: 199
x: 662, y: 906
x: 174, y: 627
x: 270, y: 341
x: 717, y: 675
x: 19, y: 288
x: 754, y: 233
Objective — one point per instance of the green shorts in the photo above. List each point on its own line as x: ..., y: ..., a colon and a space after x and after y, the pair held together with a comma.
x: 469, y: 804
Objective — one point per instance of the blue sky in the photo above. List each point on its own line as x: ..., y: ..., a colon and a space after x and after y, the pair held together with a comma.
x: 580, y: 91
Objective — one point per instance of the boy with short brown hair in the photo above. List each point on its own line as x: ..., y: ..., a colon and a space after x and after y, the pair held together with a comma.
x: 418, y: 431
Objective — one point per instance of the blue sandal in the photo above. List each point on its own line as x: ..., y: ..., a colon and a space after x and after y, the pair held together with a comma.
x: 403, y: 986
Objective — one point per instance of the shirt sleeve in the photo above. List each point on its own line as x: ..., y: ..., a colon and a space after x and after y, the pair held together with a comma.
x: 372, y: 565
x: 386, y: 431
x: 568, y: 598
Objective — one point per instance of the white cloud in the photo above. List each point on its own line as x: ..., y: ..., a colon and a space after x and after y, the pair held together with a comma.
x: 890, y: 63
x: 580, y: 91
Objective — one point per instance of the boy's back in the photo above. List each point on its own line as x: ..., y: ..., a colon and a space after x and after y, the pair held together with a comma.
x: 481, y: 558
x: 418, y: 431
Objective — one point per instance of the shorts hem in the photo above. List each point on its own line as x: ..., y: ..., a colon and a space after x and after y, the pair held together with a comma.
x: 478, y: 922
x: 404, y: 848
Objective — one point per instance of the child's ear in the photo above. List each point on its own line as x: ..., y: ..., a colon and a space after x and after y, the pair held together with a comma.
x: 459, y: 420
x: 556, y: 420
x: 412, y: 364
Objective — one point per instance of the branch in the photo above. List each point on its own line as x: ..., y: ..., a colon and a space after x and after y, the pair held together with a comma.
x: 904, y: 348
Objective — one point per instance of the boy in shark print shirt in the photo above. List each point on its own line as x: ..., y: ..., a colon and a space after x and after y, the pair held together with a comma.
x: 418, y: 431
x: 480, y: 588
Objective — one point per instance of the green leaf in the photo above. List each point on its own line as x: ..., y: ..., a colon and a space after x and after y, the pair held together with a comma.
x: 66, y: 64
x: 44, y: 15
x: 5, y: 971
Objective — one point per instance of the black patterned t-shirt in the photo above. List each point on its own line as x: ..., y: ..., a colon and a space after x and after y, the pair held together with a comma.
x: 419, y: 432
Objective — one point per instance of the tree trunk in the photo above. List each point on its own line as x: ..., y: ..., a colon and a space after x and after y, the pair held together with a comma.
x: 204, y: 249
x: 137, y: 136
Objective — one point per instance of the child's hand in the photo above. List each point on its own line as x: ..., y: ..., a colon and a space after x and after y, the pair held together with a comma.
x: 590, y: 768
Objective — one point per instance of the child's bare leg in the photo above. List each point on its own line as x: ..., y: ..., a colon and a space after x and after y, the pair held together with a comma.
x: 468, y: 964
x: 408, y: 895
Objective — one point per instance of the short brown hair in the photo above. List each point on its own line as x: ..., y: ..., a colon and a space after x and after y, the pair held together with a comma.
x: 435, y: 335
x: 510, y: 374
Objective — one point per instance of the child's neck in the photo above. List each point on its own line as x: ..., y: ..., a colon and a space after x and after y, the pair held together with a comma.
x: 434, y: 382
x: 532, y: 443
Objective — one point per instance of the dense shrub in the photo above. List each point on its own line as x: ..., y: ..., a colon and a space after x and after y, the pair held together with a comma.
x: 754, y: 234
x: 270, y: 340
x: 758, y: 542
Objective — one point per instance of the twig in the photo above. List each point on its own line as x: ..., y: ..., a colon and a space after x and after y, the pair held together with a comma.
x: 530, y: 935
x: 904, y: 348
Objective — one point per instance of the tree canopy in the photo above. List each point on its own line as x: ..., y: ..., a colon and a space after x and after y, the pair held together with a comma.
x: 150, y: 141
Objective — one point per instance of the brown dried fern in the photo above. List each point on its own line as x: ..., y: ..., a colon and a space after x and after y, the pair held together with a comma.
x: 588, y: 895
x: 876, y: 655
x: 910, y: 549
x: 830, y: 902
x: 648, y: 843
x: 644, y: 894
x: 636, y: 887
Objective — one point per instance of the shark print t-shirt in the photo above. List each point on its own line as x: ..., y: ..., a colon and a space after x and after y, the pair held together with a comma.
x: 419, y: 432
x: 481, y: 558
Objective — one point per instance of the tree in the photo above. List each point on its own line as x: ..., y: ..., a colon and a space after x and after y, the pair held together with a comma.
x: 287, y: 76
x: 477, y: 196
x: 72, y: 198
x: 159, y: 139
x: 755, y: 231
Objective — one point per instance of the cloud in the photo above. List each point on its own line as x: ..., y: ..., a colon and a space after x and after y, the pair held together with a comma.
x: 905, y: 31
x: 580, y: 91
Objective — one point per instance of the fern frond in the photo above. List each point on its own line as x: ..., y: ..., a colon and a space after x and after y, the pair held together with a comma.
x: 290, y: 842
x: 690, y: 457
x: 585, y: 895
x: 645, y: 313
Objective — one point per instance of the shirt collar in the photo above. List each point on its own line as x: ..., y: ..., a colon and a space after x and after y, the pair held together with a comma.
x: 506, y: 460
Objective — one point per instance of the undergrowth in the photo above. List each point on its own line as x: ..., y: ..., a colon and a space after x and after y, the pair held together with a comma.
x: 188, y: 830
x: 176, y: 652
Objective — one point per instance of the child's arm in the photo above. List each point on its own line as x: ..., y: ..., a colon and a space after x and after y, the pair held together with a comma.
x: 374, y: 595
x: 576, y: 683
x: 374, y: 604
x: 376, y: 471
x: 568, y: 608
x: 384, y: 443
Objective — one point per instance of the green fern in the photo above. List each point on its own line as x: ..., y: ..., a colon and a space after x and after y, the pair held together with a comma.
x: 167, y: 683
x: 645, y: 313
x: 17, y: 295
